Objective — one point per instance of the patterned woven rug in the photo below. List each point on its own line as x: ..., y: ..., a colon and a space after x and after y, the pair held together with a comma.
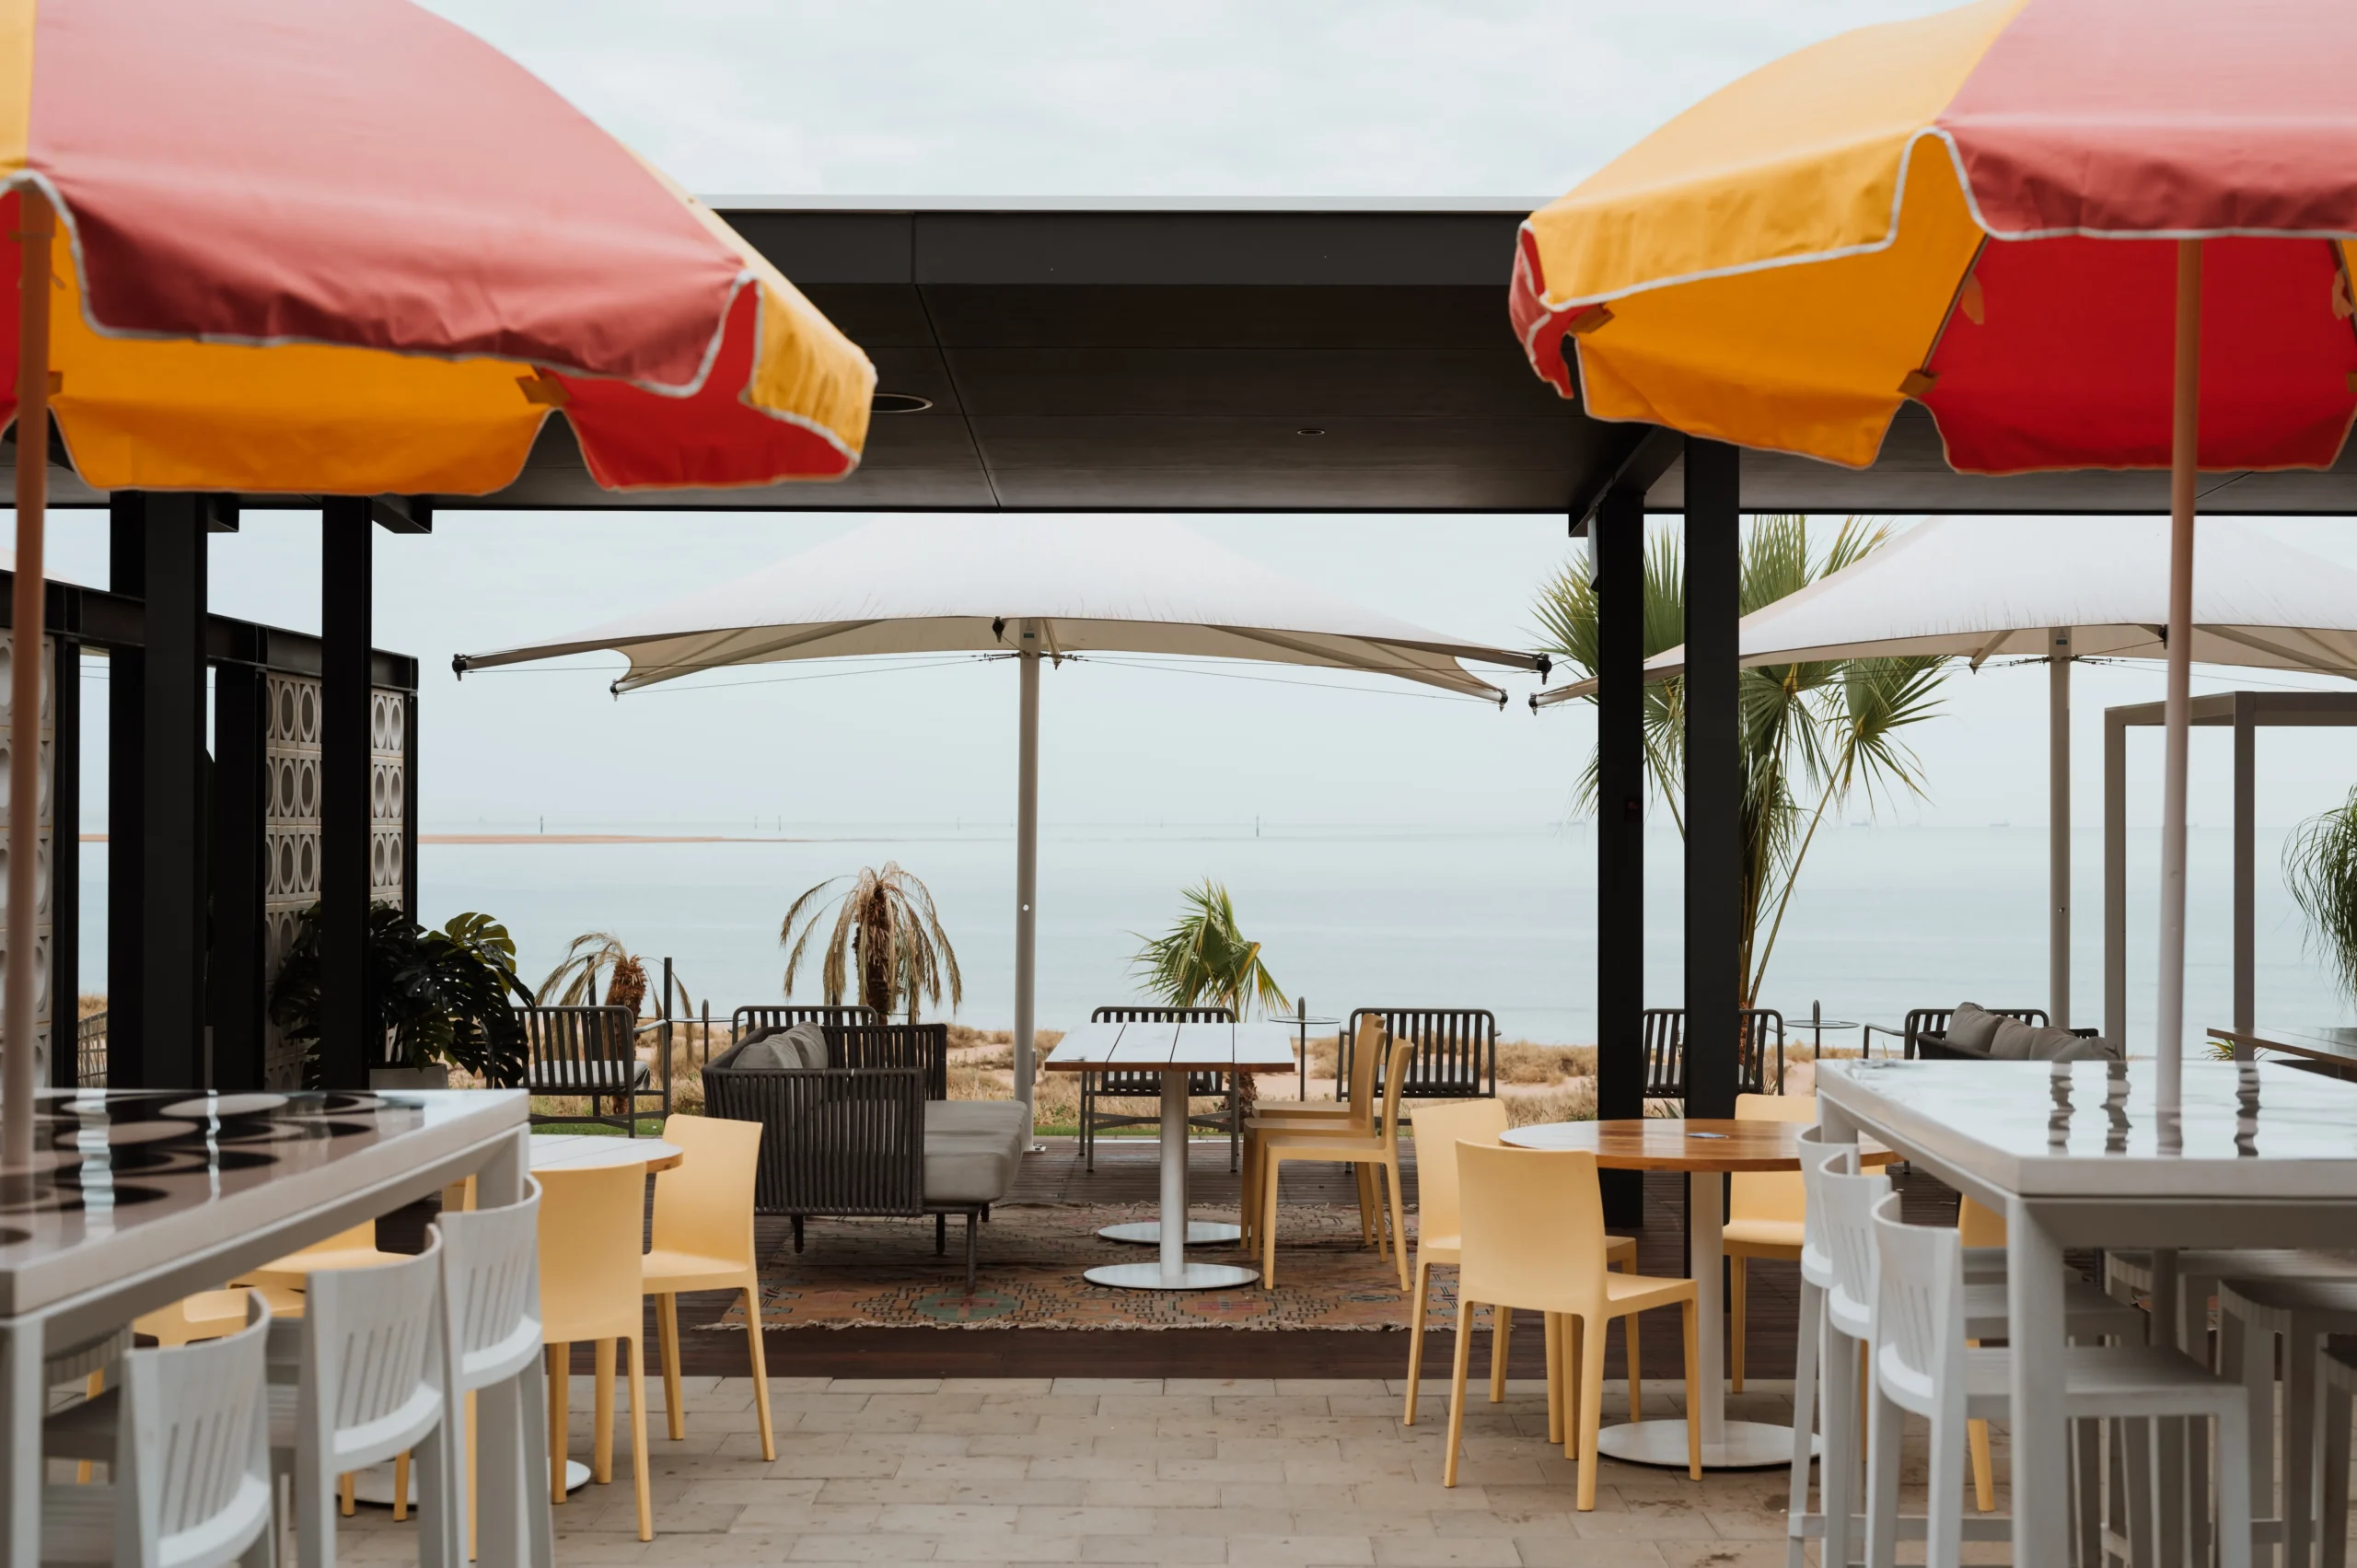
x: 882, y: 1274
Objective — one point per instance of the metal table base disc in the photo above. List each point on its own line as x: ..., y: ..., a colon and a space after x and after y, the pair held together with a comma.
x: 1148, y: 1233
x: 1745, y: 1445
x: 1148, y: 1276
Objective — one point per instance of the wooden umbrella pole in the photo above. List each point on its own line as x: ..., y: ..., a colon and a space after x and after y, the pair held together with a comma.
x: 2177, y: 712
x: 18, y: 1077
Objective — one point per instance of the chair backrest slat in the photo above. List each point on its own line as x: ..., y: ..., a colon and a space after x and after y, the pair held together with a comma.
x: 490, y: 1321
x: 372, y: 1344
x: 922, y: 1046
x: 1846, y: 1202
x: 1817, y: 1157
x: 1665, y: 1048
x: 1919, y: 1280
x: 193, y: 1441
x: 747, y: 1020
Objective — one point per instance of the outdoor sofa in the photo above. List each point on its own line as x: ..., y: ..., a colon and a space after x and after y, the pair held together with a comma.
x: 1971, y: 1033
x: 856, y: 1120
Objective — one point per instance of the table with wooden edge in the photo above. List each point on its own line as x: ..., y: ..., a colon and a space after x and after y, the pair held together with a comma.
x: 2332, y: 1048
x: 1697, y: 1146
x: 1174, y: 1051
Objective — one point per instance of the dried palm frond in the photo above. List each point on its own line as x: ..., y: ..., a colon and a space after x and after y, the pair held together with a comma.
x: 885, y: 931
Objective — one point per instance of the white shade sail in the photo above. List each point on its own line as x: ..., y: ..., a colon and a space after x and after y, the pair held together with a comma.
x: 1981, y: 587
x: 933, y: 584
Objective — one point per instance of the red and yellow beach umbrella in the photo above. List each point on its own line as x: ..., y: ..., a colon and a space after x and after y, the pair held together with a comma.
x: 288, y: 246
x: 2083, y: 234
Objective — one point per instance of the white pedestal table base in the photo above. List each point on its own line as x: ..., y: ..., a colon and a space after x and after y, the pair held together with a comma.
x: 1741, y: 1444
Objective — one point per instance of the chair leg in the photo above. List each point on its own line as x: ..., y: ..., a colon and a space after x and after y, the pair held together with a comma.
x: 1944, y: 1529
x: 1735, y: 1292
x: 1361, y: 1178
x: 2233, y: 1493
x: 973, y: 1221
x: 1457, y: 1365
x: 2299, y: 1442
x: 344, y: 1497
x: 601, y: 1418
x: 1636, y: 1368
x: 1235, y: 1123
x: 560, y: 1417
x: 1551, y: 1334
x: 1501, y: 1346
x: 1804, y: 1417
x: 797, y: 1233
x: 1270, y: 1167
x: 1416, y: 1337
x: 1984, y: 1481
x: 1591, y: 1417
x: 1398, y: 1220
x: 667, y: 1332
x: 2335, y: 1502
x: 761, y: 1370
x: 640, y: 1480
x: 1571, y: 1336
x: 400, y: 1487
x: 474, y: 1485
x: 1837, y: 1476
x: 941, y: 1236
x: 1885, y: 1425
x: 1693, y: 1393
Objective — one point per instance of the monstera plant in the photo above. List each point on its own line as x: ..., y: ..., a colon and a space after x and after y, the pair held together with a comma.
x: 443, y: 998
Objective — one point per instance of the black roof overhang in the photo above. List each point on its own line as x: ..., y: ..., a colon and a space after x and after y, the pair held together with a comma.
x: 1229, y: 356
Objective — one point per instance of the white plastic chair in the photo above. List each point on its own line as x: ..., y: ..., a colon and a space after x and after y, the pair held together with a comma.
x: 1841, y: 1206
x: 2340, y: 1386
x: 490, y: 1378
x: 1921, y: 1365
x: 191, y: 1484
x: 368, y: 1368
x: 2252, y: 1315
x: 1817, y: 1277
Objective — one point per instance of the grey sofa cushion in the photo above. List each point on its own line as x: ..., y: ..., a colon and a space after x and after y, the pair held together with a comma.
x: 2013, y: 1040
x: 761, y: 1053
x: 972, y: 1149
x: 804, y: 1045
x: 2074, y: 1048
x: 1971, y: 1030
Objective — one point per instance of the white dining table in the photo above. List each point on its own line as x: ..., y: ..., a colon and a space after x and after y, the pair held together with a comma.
x: 2076, y: 1155
x: 1173, y: 1051
x: 137, y: 1197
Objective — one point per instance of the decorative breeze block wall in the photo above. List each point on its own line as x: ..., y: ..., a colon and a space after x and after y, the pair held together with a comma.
x: 45, y: 903
x: 291, y: 836
x: 387, y: 795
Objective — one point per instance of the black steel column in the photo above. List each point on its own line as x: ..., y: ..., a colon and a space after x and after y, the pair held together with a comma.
x: 240, y: 812
x: 1713, y: 777
x: 1618, y: 535
x: 64, y: 859
x: 126, y: 803
x: 174, y: 917
x: 347, y: 535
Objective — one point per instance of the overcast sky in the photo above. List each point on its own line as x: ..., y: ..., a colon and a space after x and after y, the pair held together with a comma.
x: 920, y: 98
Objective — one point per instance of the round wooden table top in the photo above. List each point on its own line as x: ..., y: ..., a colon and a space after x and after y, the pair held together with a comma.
x: 1660, y: 1143
x: 588, y: 1151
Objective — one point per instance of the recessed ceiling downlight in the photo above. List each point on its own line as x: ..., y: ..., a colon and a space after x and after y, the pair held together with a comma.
x: 897, y: 402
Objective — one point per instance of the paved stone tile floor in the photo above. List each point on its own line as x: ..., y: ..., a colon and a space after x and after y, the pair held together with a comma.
x: 1147, y: 1471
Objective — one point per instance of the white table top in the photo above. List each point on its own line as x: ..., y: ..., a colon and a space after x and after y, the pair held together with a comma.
x: 132, y: 1180
x: 588, y: 1151
x: 2089, y: 1129
x: 1264, y: 1046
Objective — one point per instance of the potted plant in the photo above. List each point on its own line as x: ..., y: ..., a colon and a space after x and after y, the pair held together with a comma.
x: 441, y: 1000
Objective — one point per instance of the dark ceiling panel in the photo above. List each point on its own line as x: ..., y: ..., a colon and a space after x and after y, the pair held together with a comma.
x: 1266, y: 445
x: 1309, y: 384
x: 1231, y: 316
x: 1192, y: 248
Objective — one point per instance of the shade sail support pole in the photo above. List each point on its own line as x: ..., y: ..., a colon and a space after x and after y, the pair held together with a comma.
x: 1026, y: 862
x: 16, y: 1079
x: 2178, y: 713
x: 2058, y: 830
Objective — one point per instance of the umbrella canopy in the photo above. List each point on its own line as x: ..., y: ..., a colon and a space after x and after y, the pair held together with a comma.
x: 1035, y: 587
x: 2083, y: 233
x: 1982, y: 588
x: 1092, y: 585
x: 353, y: 248
x: 1788, y: 261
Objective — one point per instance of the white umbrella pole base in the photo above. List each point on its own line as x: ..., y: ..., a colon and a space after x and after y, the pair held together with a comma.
x: 1148, y: 1233
x: 1743, y: 1445
x: 1150, y: 1276
x: 375, y: 1484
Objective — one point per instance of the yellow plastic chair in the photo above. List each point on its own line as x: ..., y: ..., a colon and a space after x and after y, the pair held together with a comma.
x: 1533, y: 1238
x: 1353, y: 1114
x: 353, y: 1249
x: 1368, y: 1150
x: 703, y: 1240
x: 590, y: 1290
x: 1979, y: 1225
x: 1765, y: 1208
x: 1438, y: 1130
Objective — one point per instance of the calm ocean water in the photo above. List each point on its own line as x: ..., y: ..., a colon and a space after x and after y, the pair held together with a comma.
x: 1886, y: 918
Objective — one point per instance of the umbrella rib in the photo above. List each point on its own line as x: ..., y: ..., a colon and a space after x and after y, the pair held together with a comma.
x: 800, y: 637
x: 1989, y: 647
x: 1465, y: 681
x: 2291, y: 656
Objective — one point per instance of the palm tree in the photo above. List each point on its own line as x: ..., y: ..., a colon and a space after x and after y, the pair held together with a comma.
x: 593, y: 955
x: 1811, y: 734
x: 2321, y: 864
x: 1204, y: 961
x: 886, y: 927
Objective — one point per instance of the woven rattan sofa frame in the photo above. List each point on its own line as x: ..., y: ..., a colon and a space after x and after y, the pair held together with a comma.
x: 1665, y: 1040
x: 1095, y: 1087
x: 869, y: 1104
x: 1456, y: 1056
x: 568, y: 1048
